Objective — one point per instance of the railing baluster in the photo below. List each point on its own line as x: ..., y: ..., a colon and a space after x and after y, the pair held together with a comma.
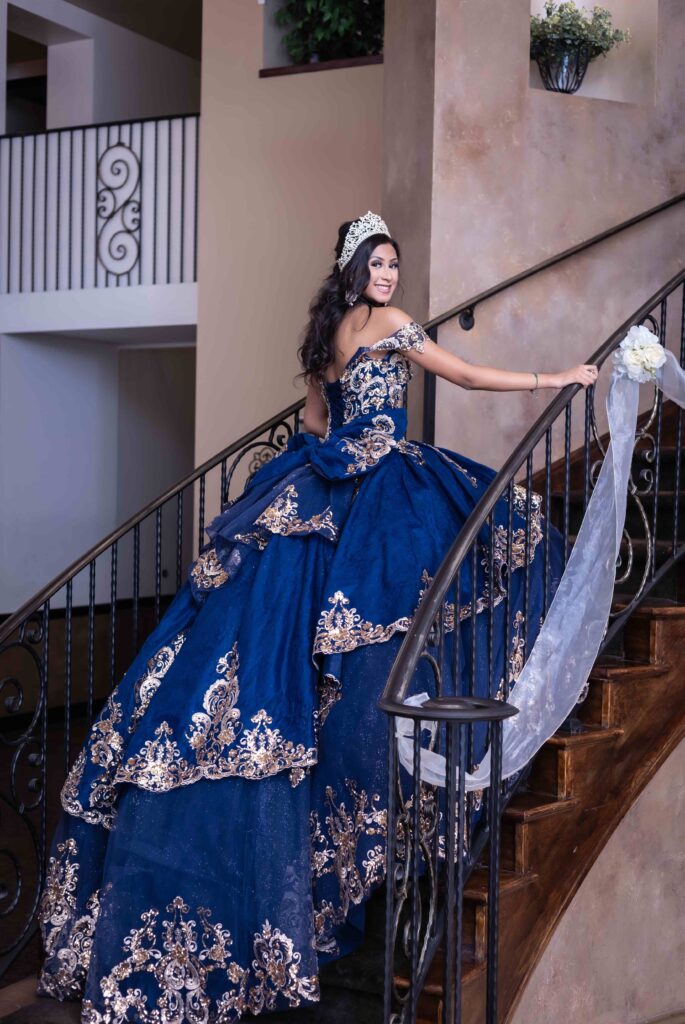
x: 452, y: 959
x: 506, y: 618
x: 21, y: 215
x: 58, y: 212
x: 456, y: 645
x: 589, y: 398
x: 567, y: 478
x: 463, y: 730
x: 158, y: 564
x: 33, y: 214
x: 491, y: 602
x: 113, y: 617
x: 494, y: 825
x: 391, y: 854
x: 45, y: 683
x: 224, y: 483
x: 195, y: 214
x: 415, y: 855
x: 657, y: 445
x: 179, y: 537
x: 474, y: 616
x: 67, y: 675
x: 429, y: 393
x: 136, y: 588
x: 527, y: 554
x: 679, y: 435
x: 168, y: 208
x: 91, y: 640
x: 548, y: 515
x: 201, y: 515
x: 9, y: 215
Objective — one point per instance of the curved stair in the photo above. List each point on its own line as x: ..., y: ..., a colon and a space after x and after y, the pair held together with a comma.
x: 580, y: 786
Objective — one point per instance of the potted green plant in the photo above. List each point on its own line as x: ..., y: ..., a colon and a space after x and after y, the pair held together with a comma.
x: 320, y: 30
x: 567, y: 38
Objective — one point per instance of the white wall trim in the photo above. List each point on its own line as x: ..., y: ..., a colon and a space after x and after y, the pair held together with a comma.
x: 161, y: 305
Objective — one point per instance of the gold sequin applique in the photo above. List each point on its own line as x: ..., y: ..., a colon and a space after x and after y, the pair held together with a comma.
x: 409, y: 336
x: 181, y: 953
x: 369, y: 385
x: 335, y: 846
x: 67, y: 935
x: 105, y: 748
x: 342, y: 628
x: 106, y: 743
x: 221, y: 746
x: 207, y: 572
x: 281, y: 517
x: 147, y: 686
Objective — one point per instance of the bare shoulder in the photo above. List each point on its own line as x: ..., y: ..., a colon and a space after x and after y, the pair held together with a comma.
x: 390, y: 318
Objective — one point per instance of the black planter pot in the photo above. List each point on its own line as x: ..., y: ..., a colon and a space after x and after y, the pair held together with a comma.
x: 563, y: 69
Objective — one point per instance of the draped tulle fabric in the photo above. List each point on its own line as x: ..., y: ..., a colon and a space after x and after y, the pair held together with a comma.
x: 225, y: 821
x: 559, y: 665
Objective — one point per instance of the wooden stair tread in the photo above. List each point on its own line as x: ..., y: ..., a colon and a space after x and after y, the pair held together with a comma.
x: 615, y: 669
x: 476, y: 889
x: 470, y: 968
x: 590, y: 735
x: 534, y: 806
x: 655, y: 608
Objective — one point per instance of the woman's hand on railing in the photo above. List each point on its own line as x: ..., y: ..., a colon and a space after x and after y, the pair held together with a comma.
x: 585, y: 374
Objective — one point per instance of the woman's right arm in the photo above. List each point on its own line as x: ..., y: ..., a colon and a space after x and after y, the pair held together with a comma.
x: 451, y: 367
x: 315, y: 414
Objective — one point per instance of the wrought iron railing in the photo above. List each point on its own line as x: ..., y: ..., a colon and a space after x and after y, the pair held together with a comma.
x: 99, y: 206
x: 59, y: 657
x: 428, y: 871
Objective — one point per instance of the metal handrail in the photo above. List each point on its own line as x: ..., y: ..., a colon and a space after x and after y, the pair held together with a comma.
x: 100, y: 124
x: 50, y: 589
x: 465, y: 310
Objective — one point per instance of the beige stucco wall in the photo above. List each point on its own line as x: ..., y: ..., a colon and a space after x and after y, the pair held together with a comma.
x: 520, y: 174
x: 283, y: 161
x: 632, y: 905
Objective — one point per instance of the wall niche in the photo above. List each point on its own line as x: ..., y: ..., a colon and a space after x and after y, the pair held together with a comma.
x: 627, y: 74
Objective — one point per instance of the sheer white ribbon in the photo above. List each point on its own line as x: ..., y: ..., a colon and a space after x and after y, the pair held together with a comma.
x: 567, y: 645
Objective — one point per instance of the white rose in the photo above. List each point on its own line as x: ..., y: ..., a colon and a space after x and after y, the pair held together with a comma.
x: 654, y: 357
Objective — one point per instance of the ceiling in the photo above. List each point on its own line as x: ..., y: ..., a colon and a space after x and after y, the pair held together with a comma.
x: 174, y: 23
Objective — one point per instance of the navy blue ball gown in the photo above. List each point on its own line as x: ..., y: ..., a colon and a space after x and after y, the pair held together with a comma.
x: 225, y: 821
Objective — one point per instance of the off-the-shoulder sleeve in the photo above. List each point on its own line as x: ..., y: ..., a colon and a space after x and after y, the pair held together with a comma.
x: 408, y: 336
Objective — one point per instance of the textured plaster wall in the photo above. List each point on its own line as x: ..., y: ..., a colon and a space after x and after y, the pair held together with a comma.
x: 617, y: 955
x: 519, y: 174
x: 283, y: 161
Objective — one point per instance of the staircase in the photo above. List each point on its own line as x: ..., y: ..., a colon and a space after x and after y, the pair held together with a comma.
x: 553, y: 826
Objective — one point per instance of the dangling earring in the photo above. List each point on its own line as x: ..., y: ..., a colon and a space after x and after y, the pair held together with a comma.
x: 351, y: 297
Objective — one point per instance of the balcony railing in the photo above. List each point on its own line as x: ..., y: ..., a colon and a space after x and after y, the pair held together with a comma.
x: 99, y: 206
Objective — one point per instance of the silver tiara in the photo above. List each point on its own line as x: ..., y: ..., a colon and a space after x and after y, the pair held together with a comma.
x: 366, y: 226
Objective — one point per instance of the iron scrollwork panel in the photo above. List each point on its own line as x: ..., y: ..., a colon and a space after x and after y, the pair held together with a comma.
x: 118, y: 209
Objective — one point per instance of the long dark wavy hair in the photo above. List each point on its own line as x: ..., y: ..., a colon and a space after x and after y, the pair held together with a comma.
x: 332, y: 301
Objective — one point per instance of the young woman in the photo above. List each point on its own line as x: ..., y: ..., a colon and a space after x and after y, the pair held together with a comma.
x: 225, y: 822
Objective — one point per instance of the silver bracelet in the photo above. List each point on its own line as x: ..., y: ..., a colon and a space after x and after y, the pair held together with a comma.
x: 533, y: 390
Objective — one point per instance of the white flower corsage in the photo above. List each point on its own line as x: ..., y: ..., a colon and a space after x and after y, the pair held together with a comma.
x: 639, y: 355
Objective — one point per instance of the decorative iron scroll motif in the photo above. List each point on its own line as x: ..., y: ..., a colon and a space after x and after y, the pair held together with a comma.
x: 118, y: 208
x: 23, y: 688
x: 641, y: 486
